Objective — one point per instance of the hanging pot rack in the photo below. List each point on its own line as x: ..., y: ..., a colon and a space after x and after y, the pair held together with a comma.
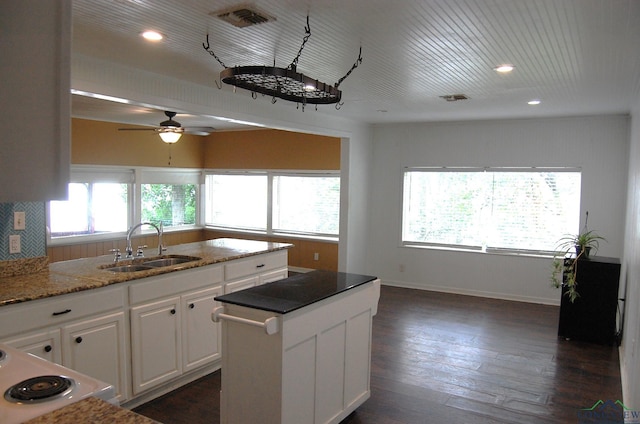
x: 283, y: 83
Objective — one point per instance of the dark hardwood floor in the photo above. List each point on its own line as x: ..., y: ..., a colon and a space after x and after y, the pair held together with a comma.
x: 443, y: 358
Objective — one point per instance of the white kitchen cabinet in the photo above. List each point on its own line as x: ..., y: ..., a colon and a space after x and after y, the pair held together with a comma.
x: 97, y: 347
x: 241, y: 284
x: 51, y: 328
x: 36, y: 98
x: 201, y: 339
x: 171, y: 328
x: 173, y: 336
x: 155, y: 343
x: 261, y: 269
x: 44, y: 344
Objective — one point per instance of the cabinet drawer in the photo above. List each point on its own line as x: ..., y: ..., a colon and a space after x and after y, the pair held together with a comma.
x: 174, y: 283
x: 59, y: 309
x: 255, y: 264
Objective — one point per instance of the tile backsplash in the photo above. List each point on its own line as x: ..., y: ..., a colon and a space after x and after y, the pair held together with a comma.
x: 33, y: 239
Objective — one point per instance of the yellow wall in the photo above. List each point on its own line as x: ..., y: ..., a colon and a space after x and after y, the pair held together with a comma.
x: 271, y: 149
x: 100, y: 143
x: 300, y: 255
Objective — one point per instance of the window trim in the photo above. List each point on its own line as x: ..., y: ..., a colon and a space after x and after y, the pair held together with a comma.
x: 270, y: 173
x: 473, y: 249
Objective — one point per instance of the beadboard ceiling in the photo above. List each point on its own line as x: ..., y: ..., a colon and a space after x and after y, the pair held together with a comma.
x: 579, y: 57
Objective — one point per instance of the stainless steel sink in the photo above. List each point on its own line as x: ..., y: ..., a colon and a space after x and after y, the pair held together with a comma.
x: 158, y: 263
x: 145, y: 264
x: 129, y: 268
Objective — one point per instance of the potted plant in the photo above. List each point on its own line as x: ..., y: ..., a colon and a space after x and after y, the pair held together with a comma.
x: 565, y: 264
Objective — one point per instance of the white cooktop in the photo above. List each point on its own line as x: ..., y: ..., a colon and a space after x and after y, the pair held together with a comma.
x: 17, y: 366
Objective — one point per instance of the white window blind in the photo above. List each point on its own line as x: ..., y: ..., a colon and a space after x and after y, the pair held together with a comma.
x: 490, y: 209
x: 306, y: 204
x: 274, y: 202
x: 236, y: 201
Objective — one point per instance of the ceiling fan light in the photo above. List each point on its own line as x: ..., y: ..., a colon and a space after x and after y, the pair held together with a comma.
x: 170, y: 136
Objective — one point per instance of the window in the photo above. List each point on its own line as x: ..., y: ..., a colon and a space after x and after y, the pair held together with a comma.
x: 490, y: 209
x: 237, y: 201
x: 101, y: 200
x: 99, y: 203
x: 169, y: 196
x: 92, y: 208
x: 172, y: 204
x: 306, y: 204
x: 274, y: 202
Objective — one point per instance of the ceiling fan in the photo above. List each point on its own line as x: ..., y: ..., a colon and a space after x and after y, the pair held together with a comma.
x: 170, y: 131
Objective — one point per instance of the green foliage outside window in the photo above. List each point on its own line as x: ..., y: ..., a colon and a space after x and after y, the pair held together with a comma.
x: 173, y: 205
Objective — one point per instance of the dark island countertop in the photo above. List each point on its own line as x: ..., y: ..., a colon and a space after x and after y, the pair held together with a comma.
x: 295, y: 292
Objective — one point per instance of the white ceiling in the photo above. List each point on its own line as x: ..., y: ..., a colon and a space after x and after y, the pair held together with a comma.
x: 579, y: 57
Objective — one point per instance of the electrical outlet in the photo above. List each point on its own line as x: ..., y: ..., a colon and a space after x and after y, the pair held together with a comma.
x: 316, y: 256
x: 19, y: 220
x: 14, y: 244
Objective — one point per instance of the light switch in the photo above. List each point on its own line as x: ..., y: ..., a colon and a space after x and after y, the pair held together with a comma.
x: 19, y: 220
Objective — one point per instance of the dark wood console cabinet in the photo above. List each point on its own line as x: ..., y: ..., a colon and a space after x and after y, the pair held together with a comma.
x: 592, y: 317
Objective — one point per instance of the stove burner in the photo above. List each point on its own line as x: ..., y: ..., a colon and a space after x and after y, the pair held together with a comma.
x: 39, y: 389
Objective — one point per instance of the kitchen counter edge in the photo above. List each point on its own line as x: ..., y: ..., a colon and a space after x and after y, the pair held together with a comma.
x: 91, y: 410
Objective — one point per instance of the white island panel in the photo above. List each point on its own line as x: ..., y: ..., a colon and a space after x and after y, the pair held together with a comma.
x: 314, y: 370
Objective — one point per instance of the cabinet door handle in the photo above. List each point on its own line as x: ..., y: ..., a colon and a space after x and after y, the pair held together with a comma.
x: 66, y: 311
x: 78, y: 339
x: 260, y: 266
x: 173, y: 312
x: 191, y: 306
x: 48, y: 348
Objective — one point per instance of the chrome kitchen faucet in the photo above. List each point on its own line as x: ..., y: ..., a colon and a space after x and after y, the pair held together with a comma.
x: 139, y: 253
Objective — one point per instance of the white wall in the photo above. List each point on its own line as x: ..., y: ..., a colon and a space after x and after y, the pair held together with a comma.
x: 629, y: 349
x: 354, y: 201
x: 599, y: 145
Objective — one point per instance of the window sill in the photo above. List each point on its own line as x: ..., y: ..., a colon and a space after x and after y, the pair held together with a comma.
x: 527, y: 254
x: 274, y: 234
x: 93, y: 238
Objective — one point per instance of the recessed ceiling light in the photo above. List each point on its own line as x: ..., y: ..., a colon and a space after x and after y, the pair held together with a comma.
x: 533, y: 102
x: 152, y: 36
x: 503, y: 69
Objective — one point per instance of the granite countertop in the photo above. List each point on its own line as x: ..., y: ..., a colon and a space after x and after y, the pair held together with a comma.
x: 91, y: 410
x: 84, y: 274
x: 295, y: 292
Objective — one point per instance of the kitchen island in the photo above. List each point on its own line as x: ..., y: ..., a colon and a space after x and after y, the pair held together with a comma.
x: 297, y: 350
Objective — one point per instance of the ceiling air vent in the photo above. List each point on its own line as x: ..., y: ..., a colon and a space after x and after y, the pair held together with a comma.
x: 454, y: 97
x: 243, y: 16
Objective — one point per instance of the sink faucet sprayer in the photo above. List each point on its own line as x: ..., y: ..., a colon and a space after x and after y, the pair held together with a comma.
x: 159, y: 229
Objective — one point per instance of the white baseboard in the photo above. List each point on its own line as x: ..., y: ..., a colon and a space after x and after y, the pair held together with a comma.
x: 467, y: 292
x: 300, y: 269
